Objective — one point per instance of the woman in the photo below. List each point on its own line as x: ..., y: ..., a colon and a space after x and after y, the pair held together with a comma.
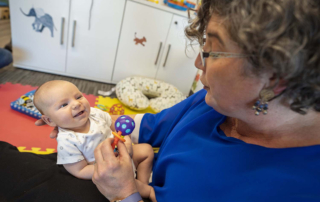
x: 213, y: 146
x: 5, y: 57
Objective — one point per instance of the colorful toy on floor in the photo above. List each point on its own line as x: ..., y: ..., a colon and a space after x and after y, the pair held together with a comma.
x: 103, y: 107
x: 25, y: 105
x: 182, y: 5
x: 124, y: 126
x: 154, y: 1
x: 108, y: 103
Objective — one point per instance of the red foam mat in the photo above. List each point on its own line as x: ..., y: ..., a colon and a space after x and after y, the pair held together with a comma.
x: 18, y: 129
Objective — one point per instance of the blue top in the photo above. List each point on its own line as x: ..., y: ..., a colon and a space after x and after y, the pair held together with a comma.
x: 198, y: 162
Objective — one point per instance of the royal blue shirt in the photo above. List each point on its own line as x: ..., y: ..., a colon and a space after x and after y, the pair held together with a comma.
x: 198, y: 162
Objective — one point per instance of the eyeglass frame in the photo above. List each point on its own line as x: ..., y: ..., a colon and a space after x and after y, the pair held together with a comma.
x: 204, y: 55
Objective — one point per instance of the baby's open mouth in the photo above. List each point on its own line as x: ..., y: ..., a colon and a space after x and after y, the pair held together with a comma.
x: 79, y: 113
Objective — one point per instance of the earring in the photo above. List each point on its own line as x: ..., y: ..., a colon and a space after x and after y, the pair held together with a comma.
x: 261, y: 105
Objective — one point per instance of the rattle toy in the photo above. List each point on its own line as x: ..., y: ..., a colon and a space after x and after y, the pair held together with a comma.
x: 124, y: 126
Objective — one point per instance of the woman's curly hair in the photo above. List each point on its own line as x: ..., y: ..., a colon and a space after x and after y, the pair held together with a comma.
x: 281, y: 35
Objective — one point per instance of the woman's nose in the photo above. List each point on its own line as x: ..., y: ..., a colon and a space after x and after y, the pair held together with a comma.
x: 198, y: 63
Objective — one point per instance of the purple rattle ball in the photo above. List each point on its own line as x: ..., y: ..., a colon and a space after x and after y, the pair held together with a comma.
x: 125, y: 124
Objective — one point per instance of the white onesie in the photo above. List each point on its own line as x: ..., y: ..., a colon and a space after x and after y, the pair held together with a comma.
x: 74, y: 147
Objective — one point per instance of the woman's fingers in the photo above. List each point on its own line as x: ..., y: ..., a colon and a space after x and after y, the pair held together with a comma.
x: 128, y: 139
x: 104, y: 151
x: 107, y: 150
x: 113, y: 175
x: 97, y: 154
x: 40, y: 122
x: 128, y: 145
x: 123, y: 153
x: 54, y: 133
x: 128, y: 142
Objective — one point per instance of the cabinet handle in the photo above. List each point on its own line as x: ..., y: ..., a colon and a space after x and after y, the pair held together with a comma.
x: 165, y: 61
x: 74, y: 32
x: 62, y: 31
x: 158, y: 54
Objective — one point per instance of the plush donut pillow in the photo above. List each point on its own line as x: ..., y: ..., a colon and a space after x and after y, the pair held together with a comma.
x: 138, y: 93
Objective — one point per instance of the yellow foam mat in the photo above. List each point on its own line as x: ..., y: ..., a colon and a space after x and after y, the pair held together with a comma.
x: 36, y: 150
x: 114, y: 107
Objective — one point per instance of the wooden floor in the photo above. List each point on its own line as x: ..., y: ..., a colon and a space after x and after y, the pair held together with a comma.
x: 34, y: 78
x: 5, y: 32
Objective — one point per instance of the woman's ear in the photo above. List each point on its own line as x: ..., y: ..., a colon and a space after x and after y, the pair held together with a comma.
x: 280, y: 84
x: 48, y: 121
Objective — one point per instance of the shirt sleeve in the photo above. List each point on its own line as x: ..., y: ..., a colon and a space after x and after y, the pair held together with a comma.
x: 104, y: 115
x: 154, y: 128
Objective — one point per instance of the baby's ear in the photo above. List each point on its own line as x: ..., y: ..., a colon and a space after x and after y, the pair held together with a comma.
x: 48, y: 121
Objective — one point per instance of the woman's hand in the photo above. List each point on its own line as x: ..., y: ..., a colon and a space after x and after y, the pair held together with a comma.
x: 54, y: 132
x: 128, y: 145
x: 113, y: 175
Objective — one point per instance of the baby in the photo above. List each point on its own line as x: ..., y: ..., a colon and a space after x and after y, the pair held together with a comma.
x: 81, y: 129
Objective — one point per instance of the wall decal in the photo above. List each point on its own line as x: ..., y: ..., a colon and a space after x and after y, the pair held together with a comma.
x: 42, y: 20
x: 139, y: 41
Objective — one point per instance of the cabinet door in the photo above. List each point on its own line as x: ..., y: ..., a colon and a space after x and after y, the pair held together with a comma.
x: 93, y: 38
x: 144, y: 29
x: 177, y: 63
x: 38, y: 36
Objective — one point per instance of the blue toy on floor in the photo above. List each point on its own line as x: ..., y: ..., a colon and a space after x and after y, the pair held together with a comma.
x: 25, y: 105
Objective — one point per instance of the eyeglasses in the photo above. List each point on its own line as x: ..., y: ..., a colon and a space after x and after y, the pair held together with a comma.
x: 205, y: 55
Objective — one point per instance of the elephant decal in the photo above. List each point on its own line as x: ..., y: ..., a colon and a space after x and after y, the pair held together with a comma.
x: 42, y: 20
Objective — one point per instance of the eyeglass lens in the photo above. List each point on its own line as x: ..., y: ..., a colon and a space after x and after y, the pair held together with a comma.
x: 202, y: 58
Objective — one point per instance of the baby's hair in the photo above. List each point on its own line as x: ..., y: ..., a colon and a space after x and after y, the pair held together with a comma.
x: 37, y: 101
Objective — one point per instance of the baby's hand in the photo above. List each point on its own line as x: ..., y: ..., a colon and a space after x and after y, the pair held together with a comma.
x: 128, y: 144
x: 54, y: 132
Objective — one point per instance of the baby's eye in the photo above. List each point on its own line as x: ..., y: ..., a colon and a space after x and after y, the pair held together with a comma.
x: 79, y: 97
x: 63, y: 105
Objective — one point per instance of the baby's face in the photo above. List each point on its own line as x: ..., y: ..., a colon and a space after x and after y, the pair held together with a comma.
x: 67, y: 107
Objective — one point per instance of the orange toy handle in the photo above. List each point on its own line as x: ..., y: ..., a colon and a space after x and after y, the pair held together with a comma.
x: 117, y: 137
x: 115, y: 142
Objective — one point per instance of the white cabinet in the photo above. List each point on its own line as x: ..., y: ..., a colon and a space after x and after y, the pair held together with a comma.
x: 162, y: 54
x: 72, y: 48
x: 92, y: 50
x: 102, y: 40
x: 143, y: 35
x: 177, y: 62
x: 36, y: 38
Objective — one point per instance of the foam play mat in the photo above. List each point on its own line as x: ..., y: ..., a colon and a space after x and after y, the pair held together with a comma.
x: 114, y: 107
x: 18, y: 128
